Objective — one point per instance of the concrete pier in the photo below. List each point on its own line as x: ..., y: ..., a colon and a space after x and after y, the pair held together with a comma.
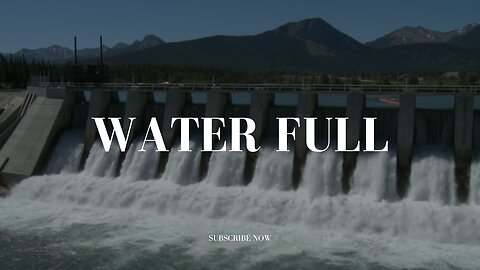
x: 306, y: 107
x: 354, y: 112
x: 98, y: 107
x: 28, y: 146
x: 135, y: 107
x: 259, y: 108
x: 216, y: 104
x: 11, y: 111
x: 11, y: 116
x: 405, y: 139
x: 463, y: 143
x: 136, y: 104
x: 30, y: 124
x: 174, y: 107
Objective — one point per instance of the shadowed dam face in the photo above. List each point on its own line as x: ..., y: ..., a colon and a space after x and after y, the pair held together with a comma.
x: 323, y: 210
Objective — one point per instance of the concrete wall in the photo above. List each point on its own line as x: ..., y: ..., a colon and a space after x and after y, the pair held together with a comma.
x: 174, y: 107
x: 354, y: 112
x: 463, y: 143
x: 405, y: 139
x: 6, y: 97
x: 261, y: 103
x: 136, y: 105
x: 10, y: 117
x: 30, y: 142
x: 98, y: 107
x: 216, y: 105
x: 306, y: 107
x: 259, y: 108
x: 52, y: 112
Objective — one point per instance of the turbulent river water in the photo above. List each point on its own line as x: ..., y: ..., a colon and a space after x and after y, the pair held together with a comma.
x: 93, y: 220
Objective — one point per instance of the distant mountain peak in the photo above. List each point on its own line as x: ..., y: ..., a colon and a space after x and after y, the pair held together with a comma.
x: 467, y: 28
x: 299, y: 27
x: 306, y: 29
x: 60, y: 54
x: 120, y: 46
x: 319, y: 36
x: 147, y: 42
x: 307, y: 45
x: 407, y: 35
x: 56, y: 47
x: 152, y: 38
x: 418, y: 34
x: 50, y: 53
x: 470, y: 39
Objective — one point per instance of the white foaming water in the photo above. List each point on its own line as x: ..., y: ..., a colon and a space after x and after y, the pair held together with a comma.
x: 183, y: 167
x: 386, y: 233
x: 226, y: 169
x: 136, y: 233
x: 375, y: 176
x: 322, y: 174
x: 416, y: 220
x: 273, y: 170
x: 140, y: 165
x: 475, y: 182
x: 101, y: 163
x: 67, y: 153
x: 432, y: 177
x: 420, y: 232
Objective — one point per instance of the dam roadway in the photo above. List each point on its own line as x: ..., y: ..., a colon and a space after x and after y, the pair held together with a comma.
x: 33, y: 119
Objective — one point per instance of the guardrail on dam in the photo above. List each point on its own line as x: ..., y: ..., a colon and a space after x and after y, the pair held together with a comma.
x: 33, y: 119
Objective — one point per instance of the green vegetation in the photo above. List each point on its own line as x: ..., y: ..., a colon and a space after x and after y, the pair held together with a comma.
x: 16, y: 72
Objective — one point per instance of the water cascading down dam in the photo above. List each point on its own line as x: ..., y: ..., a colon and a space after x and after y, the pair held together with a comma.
x: 329, y: 209
x: 411, y: 118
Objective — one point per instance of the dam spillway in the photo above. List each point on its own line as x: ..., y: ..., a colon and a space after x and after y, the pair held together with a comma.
x: 136, y: 215
x: 410, y: 118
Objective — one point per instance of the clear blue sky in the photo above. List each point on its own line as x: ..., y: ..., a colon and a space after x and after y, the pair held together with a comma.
x: 35, y: 23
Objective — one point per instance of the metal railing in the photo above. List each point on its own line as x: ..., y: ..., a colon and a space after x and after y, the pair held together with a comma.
x: 315, y: 88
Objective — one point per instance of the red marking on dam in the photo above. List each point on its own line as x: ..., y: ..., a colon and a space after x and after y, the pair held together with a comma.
x: 389, y: 101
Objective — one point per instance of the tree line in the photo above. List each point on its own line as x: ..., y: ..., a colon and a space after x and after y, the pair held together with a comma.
x: 15, y: 72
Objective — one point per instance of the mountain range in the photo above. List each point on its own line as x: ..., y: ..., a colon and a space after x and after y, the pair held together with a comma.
x: 59, y: 54
x: 412, y: 35
x: 310, y: 45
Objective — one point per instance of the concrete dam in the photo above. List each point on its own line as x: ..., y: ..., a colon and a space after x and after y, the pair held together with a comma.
x: 33, y: 122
